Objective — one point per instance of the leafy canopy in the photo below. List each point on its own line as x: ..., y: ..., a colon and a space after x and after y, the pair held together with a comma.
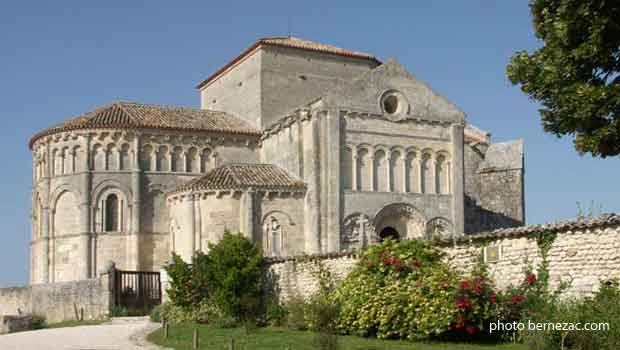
x: 575, y: 75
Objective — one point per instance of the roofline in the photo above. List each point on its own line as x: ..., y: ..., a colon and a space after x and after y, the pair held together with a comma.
x: 260, y: 42
x: 48, y: 132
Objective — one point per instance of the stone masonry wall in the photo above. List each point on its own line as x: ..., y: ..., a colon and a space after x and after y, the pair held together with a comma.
x: 58, y: 301
x: 584, y: 253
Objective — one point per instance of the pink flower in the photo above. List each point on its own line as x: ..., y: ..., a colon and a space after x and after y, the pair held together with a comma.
x: 443, y: 285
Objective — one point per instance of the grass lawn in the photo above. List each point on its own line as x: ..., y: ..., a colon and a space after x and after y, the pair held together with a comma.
x: 180, y: 337
x: 75, y: 323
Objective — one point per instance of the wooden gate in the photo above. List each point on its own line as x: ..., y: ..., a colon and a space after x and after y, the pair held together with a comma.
x: 138, y: 292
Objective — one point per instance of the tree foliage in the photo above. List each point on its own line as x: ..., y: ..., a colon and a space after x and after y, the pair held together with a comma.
x: 575, y: 75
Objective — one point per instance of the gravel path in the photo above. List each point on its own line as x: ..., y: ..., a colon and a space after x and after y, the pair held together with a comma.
x: 124, y: 333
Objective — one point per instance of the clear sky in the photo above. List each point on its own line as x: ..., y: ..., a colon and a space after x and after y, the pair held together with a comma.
x: 61, y: 58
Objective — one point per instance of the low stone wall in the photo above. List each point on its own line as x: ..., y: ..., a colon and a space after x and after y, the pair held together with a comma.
x: 59, y: 301
x: 10, y: 324
x: 583, y: 253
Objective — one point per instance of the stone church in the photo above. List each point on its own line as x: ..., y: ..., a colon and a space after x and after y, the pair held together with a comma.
x: 303, y: 147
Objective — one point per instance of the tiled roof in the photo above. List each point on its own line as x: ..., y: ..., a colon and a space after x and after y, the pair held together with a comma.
x: 602, y: 221
x: 292, y: 42
x: 130, y: 115
x: 240, y: 176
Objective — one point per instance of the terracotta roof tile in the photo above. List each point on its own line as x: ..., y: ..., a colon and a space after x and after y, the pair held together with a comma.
x: 130, y: 115
x: 241, y: 176
x: 292, y: 42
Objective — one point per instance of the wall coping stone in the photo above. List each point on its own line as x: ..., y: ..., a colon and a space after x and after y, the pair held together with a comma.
x: 602, y: 221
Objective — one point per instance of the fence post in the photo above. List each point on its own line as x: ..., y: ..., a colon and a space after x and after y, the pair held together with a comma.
x: 231, y: 346
x: 195, y: 340
x: 166, y: 329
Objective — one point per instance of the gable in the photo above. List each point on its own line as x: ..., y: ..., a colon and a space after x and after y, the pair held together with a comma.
x: 372, y: 92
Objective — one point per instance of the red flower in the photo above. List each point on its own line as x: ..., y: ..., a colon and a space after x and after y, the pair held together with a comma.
x: 415, y: 262
x: 530, y: 279
x: 463, y: 303
x: 492, y: 298
x: 517, y: 299
x: 477, y: 289
x: 464, y: 284
x: 443, y: 285
x: 460, y: 322
x: 470, y: 329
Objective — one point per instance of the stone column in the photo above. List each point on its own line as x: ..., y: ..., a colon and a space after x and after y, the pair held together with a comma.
x: 457, y: 182
x: 404, y: 172
x: 44, y: 261
x: 312, y: 177
x: 188, y: 230
x: 333, y: 179
x: 354, y: 172
x: 85, y: 227
x: 247, y: 215
x: 136, y: 189
x: 418, y: 165
x: 388, y: 172
x: 371, y: 160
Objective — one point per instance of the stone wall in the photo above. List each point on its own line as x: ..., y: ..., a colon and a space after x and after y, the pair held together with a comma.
x: 58, y: 301
x: 583, y: 253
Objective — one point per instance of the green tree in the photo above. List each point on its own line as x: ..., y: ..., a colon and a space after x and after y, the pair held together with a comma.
x: 234, y: 271
x: 575, y: 75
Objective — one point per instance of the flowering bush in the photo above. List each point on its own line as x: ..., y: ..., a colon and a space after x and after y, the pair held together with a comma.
x: 404, y: 290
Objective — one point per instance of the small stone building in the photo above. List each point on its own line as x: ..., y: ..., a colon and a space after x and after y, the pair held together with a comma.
x: 301, y: 146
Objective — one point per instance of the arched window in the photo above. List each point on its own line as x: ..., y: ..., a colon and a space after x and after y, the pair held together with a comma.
x: 98, y: 157
x: 413, y: 173
x: 193, y: 161
x: 442, y: 172
x: 145, y: 158
x: 162, y: 159
x: 77, y: 165
x: 125, y: 159
x: 274, y: 237
x: 381, y: 179
x: 67, y: 161
x: 177, y: 159
x: 427, y: 179
x: 364, y: 180
x: 112, y: 213
x: 205, y: 161
x: 113, y: 157
x: 397, y: 172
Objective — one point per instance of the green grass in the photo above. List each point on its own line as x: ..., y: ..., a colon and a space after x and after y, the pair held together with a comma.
x: 64, y: 324
x: 180, y: 337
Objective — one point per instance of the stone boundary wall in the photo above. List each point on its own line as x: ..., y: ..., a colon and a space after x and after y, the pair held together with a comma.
x: 583, y: 253
x: 58, y: 301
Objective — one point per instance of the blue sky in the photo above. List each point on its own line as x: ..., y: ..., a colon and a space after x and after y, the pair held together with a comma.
x: 58, y: 59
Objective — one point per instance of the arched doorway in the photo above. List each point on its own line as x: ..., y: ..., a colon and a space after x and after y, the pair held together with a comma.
x: 389, y: 232
x: 402, y: 220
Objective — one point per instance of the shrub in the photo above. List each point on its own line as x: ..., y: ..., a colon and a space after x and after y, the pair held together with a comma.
x: 296, y: 310
x: 275, y: 313
x: 404, y: 290
x: 234, y: 269
x: 204, y: 312
x: 603, y: 307
x: 38, y: 322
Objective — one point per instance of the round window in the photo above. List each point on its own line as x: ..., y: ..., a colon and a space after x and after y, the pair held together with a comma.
x: 393, y: 103
x: 390, y: 104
